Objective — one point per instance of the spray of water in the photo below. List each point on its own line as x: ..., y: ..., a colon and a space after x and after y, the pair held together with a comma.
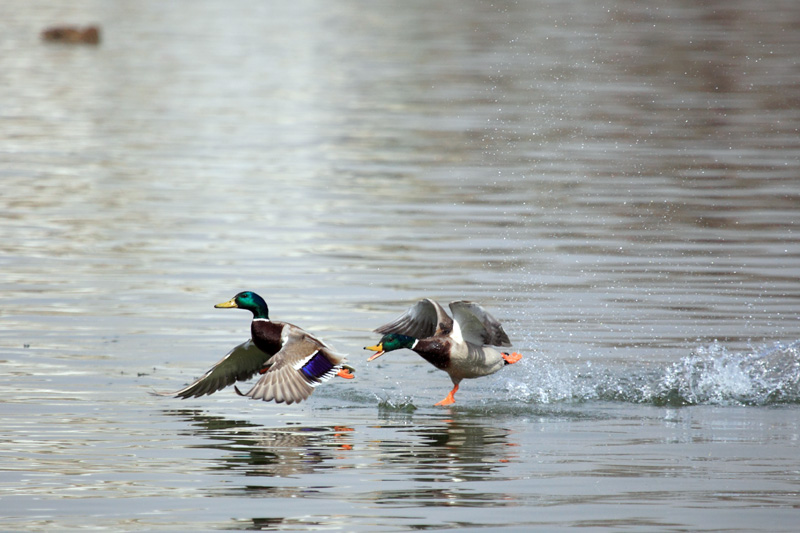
x: 714, y: 375
x: 710, y: 375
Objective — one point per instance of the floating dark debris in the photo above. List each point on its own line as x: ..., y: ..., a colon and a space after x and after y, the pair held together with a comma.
x: 71, y: 34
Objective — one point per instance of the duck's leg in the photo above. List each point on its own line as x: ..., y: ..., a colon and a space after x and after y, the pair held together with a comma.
x: 450, y: 399
x: 511, y: 358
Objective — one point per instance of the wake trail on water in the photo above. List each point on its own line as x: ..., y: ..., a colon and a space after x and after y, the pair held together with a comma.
x: 709, y: 375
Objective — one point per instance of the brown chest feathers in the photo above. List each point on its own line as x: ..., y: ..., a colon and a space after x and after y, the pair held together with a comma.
x: 267, y: 335
x: 436, y: 351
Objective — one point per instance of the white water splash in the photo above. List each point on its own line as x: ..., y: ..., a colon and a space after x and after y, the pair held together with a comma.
x: 542, y: 381
x: 713, y: 375
x: 710, y: 375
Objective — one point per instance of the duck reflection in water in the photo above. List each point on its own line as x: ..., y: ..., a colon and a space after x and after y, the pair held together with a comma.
x: 414, y: 461
x: 253, y: 450
x: 438, y: 462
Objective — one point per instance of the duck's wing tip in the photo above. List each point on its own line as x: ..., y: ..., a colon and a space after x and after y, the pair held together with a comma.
x: 424, y: 319
x: 239, y: 364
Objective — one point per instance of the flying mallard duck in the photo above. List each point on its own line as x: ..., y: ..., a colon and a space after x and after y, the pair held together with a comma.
x: 292, y: 361
x: 460, y: 345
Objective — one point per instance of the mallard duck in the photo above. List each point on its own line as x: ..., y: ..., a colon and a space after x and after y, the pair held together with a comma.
x: 291, y: 360
x: 460, y: 345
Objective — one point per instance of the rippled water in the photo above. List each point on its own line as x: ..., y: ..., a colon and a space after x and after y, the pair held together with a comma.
x: 618, y: 184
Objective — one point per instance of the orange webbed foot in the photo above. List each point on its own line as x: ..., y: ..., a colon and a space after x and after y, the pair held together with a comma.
x: 511, y: 358
x: 345, y: 373
x: 450, y: 399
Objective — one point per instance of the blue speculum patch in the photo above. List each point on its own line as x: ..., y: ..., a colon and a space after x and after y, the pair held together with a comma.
x: 316, y: 367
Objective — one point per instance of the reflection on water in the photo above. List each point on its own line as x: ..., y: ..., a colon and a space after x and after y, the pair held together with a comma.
x: 450, y: 449
x: 427, y: 461
x: 252, y: 450
x: 441, y: 463
x: 619, y: 182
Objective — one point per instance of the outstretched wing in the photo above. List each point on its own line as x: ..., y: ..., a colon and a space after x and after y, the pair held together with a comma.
x: 477, y: 325
x: 424, y: 319
x: 238, y: 365
x: 303, y: 363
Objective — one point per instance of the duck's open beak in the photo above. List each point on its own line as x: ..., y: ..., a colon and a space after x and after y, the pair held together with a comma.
x: 228, y: 304
x: 378, y: 349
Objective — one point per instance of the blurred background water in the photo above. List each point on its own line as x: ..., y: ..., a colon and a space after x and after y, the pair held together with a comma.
x: 617, y: 183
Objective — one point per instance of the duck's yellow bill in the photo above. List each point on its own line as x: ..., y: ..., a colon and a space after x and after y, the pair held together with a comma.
x: 228, y: 304
x: 378, y: 349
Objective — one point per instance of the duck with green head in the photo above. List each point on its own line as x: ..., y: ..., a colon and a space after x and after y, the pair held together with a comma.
x: 291, y: 361
x: 461, y: 346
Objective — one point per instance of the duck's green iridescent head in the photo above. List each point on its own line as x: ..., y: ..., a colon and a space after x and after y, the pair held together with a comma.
x: 389, y: 343
x: 247, y: 300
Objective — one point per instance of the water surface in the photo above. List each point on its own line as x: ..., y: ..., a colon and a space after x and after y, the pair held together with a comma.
x: 618, y: 184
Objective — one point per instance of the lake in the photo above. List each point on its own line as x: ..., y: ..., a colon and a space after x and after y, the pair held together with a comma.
x: 618, y: 183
